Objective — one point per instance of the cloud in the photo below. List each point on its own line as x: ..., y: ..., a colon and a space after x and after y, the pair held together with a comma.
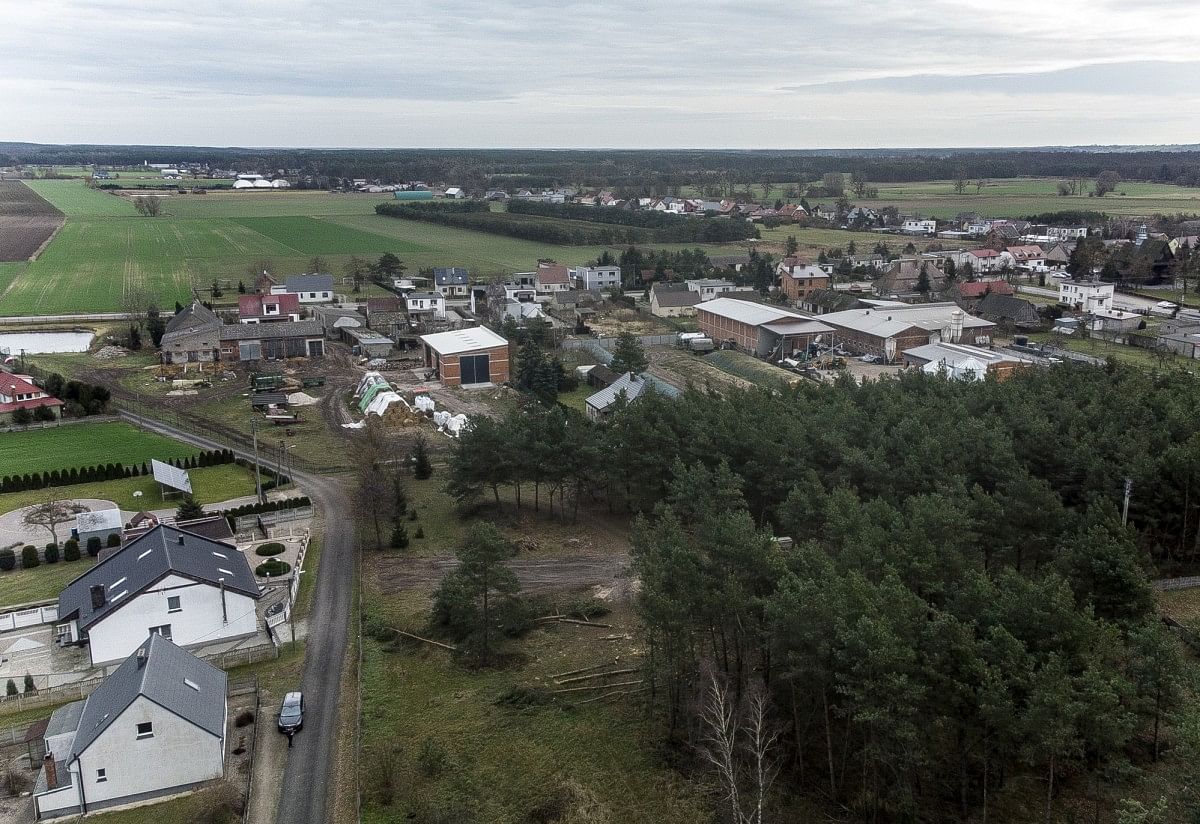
x: 620, y: 73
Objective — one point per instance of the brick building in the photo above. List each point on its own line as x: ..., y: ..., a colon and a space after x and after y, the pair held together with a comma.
x: 762, y: 330
x: 889, y: 329
x: 467, y: 357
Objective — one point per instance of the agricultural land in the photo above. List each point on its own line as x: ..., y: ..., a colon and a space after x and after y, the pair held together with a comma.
x: 26, y: 222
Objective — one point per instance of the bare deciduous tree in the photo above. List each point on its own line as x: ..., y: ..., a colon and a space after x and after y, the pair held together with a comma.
x: 52, y: 513
x: 739, y: 743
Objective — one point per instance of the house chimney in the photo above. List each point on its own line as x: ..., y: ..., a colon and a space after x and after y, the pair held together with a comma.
x: 51, y: 771
x: 98, y: 598
x: 181, y: 540
x: 141, y: 657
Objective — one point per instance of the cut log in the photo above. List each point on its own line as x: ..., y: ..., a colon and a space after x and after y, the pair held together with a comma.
x: 423, y: 640
x: 597, y: 687
x: 612, y: 694
x: 597, y: 675
x: 583, y: 623
x: 583, y: 669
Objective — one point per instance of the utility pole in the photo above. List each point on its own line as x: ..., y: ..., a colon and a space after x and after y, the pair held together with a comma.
x: 257, y: 473
x: 1125, y: 509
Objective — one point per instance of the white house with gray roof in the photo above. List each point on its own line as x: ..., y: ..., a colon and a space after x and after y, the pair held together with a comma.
x: 169, y: 582
x: 310, y: 288
x: 155, y: 726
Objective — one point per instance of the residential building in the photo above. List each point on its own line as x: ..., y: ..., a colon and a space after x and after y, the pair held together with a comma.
x: 824, y: 301
x: 903, y: 276
x: 955, y: 360
x: 596, y: 278
x: 968, y: 293
x: 172, y: 582
x: 155, y: 726
x: 20, y: 392
x: 983, y: 261
x: 268, y: 308
x: 308, y: 288
x: 1007, y: 311
x: 709, y: 288
x: 192, y: 336
x: 628, y: 386
x: 732, y: 262
x: 1067, y: 232
x: 426, y: 304
x: 272, y: 341
x: 876, y: 262
x: 889, y: 329
x: 669, y: 300
x: 552, y: 278
x: 918, y: 226
x: 800, y: 279
x: 762, y: 330
x: 1029, y: 257
x: 1114, y: 322
x: 1085, y: 295
x: 467, y: 357
x: 452, y: 282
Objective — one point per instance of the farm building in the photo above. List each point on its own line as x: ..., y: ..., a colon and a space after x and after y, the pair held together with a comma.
x: 192, y: 336
x: 765, y: 331
x: 966, y: 362
x: 270, y: 341
x: 892, y: 328
x: 334, y: 319
x: 411, y: 195
x: 169, y: 582
x: 467, y: 357
x: 20, y: 392
x: 368, y: 343
x: 155, y: 726
x: 628, y: 386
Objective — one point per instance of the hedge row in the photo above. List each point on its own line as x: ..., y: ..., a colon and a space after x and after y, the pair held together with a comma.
x: 105, y: 472
x: 270, y: 506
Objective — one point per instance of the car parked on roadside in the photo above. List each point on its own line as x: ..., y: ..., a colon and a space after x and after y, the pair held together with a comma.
x: 291, y: 713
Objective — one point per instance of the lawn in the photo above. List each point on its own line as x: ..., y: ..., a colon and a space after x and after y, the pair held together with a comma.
x: 210, y: 485
x: 23, y: 586
x: 1132, y: 355
x: 84, y: 444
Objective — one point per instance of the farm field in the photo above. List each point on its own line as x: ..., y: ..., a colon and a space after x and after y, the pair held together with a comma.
x: 84, y: 444
x: 74, y: 199
x: 26, y: 222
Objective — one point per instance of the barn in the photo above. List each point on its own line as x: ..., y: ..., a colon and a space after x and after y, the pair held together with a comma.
x: 467, y: 357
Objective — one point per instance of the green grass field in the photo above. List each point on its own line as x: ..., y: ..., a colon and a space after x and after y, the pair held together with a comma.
x: 210, y: 485
x: 84, y: 444
x: 23, y: 586
x: 74, y: 199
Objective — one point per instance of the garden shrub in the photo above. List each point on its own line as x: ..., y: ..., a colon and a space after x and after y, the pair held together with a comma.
x: 8, y: 560
x: 114, y: 540
x: 71, y: 550
x: 93, y: 546
x: 272, y: 568
x: 51, y: 553
x: 267, y: 550
x: 29, y: 557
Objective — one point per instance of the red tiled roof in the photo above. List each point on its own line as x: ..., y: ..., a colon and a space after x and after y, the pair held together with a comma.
x: 11, y: 384
x: 251, y: 306
x: 31, y: 404
x: 982, y: 287
x: 984, y: 253
x: 553, y: 274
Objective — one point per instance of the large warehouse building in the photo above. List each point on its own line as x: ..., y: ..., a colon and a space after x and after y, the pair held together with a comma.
x: 762, y: 330
x: 890, y: 329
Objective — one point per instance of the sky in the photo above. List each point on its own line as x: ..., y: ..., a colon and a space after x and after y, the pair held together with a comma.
x: 793, y: 74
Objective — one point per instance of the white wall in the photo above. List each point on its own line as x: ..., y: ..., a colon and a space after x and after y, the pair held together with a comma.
x: 178, y: 754
x: 199, y: 622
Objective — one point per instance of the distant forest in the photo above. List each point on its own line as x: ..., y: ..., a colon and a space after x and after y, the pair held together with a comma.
x: 637, y: 170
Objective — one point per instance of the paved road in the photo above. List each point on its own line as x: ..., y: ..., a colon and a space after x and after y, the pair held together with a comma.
x: 311, y: 761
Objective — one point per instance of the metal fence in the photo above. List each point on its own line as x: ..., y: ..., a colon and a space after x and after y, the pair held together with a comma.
x: 1165, y: 584
x: 611, y: 343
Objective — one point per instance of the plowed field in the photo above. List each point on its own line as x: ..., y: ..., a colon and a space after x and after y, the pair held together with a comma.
x: 26, y: 221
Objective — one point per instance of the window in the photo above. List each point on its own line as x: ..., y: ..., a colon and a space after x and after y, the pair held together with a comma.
x: 164, y: 630
x: 101, y: 775
x: 145, y: 730
x: 173, y: 604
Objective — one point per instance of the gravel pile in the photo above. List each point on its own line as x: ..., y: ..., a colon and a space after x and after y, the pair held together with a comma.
x: 110, y: 352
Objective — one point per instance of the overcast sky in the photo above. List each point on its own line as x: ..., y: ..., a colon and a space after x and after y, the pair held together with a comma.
x: 613, y: 73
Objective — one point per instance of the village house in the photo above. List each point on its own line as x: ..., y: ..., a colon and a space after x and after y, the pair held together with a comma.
x: 903, y: 276
x: 451, y: 282
x: 628, y: 386
x: 268, y: 308
x: 193, y: 335
x: 888, y: 330
x: 551, y: 278
x: 983, y: 261
x: 20, y: 392
x: 1067, y: 232
x: 154, y: 727
x: 169, y: 582
x: 467, y: 357
x: 1008, y: 311
x: 596, y: 278
x: 969, y: 293
x: 762, y: 330
x: 918, y: 226
x: 1085, y: 295
x: 670, y: 300
x: 308, y: 288
x: 798, y: 278
x: 1029, y: 257
x: 425, y: 304
x: 709, y: 288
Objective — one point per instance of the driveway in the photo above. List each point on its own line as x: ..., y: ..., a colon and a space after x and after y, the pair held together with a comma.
x: 14, y: 531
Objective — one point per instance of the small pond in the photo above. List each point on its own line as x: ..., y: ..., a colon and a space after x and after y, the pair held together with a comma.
x: 41, y: 343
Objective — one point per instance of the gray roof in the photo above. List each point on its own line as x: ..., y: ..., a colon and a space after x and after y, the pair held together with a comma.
x: 450, y: 276
x: 145, y: 560
x: 64, y: 719
x: 629, y: 384
x: 424, y: 296
x: 676, y: 297
x: 275, y: 329
x: 189, y: 320
x: 309, y: 283
x: 166, y: 676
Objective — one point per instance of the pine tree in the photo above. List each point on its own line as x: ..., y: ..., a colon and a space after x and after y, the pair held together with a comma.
x: 422, y: 467
x: 629, y: 356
